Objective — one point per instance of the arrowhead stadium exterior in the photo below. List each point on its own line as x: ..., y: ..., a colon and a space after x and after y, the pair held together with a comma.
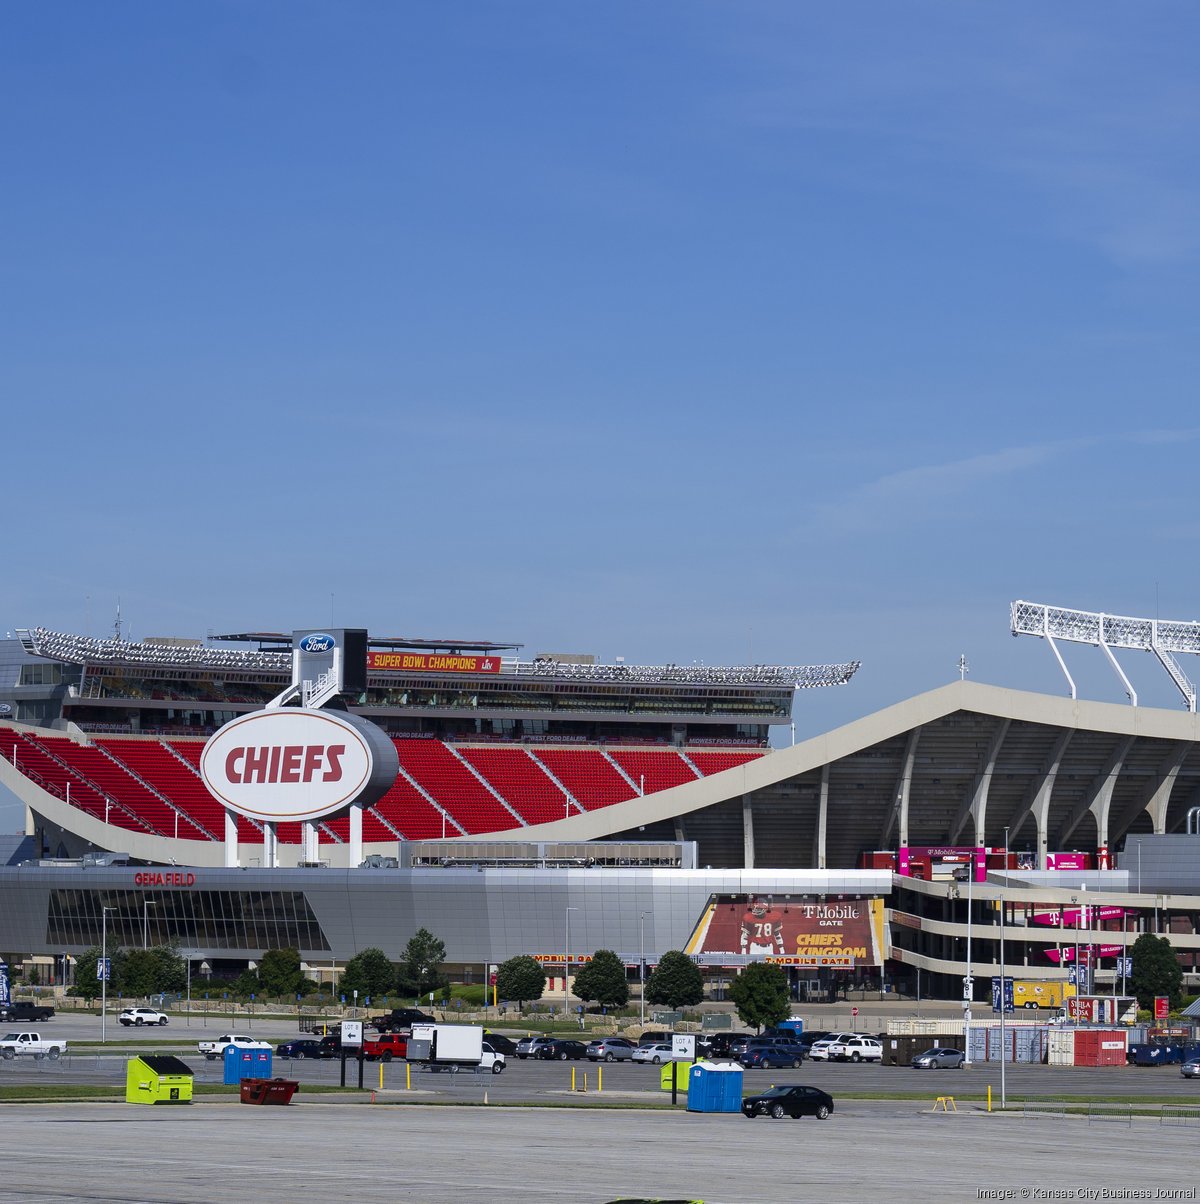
x: 645, y: 799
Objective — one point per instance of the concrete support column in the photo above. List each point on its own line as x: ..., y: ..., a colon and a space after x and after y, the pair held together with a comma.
x: 231, y: 839
x: 356, y: 852
x: 310, y: 841
x: 823, y: 818
x: 270, y: 846
x: 747, y: 833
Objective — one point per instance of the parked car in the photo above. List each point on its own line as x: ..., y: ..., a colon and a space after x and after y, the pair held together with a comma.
x: 140, y: 1016
x: 794, y: 1101
x: 501, y: 1044
x: 819, y: 1050
x: 768, y: 1057
x: 664, y: 1051
x: 303, y: 1047
x: 492, y: 1058
x: 527, y: 1047
x: 399, y: 1018
x: 385, y: 1046
x: 561, y: 1049
x: 720, y: 1045
x: 655, y: 1038
x: 330, y: 1046
x: 610, y: 1049
x: 940, y: 1057
x: 1191, y: 1069
x: 856, y: 1049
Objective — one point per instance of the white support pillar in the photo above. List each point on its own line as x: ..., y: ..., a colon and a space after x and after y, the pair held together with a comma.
x: 356, y: 853
x: 823, y: 817
x: 747, y: 833
x: 270, y: 846
x: 310, y: 841
x: 231, y: 839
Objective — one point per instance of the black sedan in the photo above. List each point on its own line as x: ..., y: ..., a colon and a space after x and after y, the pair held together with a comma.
x: 304, y: 1048
x: 789, y: 1101
x: 561, y: 1050
x: 501, y: 1044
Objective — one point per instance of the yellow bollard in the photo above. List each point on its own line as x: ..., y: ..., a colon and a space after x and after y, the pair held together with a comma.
x: 380, y: 1074
x: 599, y: 1078
x: 408, y: 1076
x: 572, y: 1078
x: 989, y: 1097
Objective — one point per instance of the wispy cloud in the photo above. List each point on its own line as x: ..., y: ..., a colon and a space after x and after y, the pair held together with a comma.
x: 914, y: 495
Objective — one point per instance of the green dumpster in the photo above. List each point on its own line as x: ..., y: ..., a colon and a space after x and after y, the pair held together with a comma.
x: 680, y: 1070
x: 158, y: 1079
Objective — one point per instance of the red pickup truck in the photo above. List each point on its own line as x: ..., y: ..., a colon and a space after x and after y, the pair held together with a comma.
x: 386, y: 1046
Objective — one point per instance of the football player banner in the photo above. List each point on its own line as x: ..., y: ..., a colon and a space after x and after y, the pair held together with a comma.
x: 784, y: 930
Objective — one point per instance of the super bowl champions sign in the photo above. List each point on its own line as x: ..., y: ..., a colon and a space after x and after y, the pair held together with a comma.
x: 841, y: 934
x: 291, y: 763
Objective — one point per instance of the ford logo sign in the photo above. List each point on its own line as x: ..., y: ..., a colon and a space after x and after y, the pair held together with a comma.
x: 319, y: 641
x: 5, y: 708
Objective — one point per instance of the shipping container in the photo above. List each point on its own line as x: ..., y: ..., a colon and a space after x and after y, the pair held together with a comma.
x: 1015, y: 1044
x: 1099, y: 1047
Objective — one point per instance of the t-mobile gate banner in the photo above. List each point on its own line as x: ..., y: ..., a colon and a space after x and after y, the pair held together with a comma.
x: 1074, y: 917
x: 791, y: 932
x: 943, y: 858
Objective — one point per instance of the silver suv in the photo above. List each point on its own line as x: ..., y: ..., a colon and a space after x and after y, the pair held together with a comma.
x: 528, y: 1047
x: 610, y: 1049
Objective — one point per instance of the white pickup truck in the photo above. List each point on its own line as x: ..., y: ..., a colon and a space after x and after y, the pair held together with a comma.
x: 12, y: 1044
x: 216, y: 1049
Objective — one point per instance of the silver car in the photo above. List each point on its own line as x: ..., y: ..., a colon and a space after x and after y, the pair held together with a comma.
x: 528, y: 1047
x: 610, y: 1049
x: 939, y: 1058
x: 1191, y: 1069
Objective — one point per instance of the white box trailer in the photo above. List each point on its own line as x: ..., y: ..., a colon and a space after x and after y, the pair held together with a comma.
x: 446, y: 1044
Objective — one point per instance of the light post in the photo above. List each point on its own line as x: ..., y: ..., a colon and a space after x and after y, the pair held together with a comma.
x: 1003, y: 984
x: 149, y: 903
x: 642, y: 966
x: 567, y: 961
x: 104, y: 976
x: 969, y: 980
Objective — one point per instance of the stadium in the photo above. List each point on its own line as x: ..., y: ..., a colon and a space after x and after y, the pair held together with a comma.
x: 554, y: 805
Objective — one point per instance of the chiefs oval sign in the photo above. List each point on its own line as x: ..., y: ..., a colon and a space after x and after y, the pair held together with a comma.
x: 291, y: 764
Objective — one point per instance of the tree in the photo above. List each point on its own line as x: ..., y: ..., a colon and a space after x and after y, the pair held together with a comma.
x: 87, y: 985
x: 521, y: 979
x: 280, y: 973
x: 1156, y: 971
x: 369, y: 973
x: 420, y: 963
x: 603, y: 980
x: 144, y: 972
x: 676, y: 981
x: 761, y: 995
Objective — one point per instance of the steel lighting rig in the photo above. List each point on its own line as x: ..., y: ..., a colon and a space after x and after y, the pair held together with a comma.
x: 1160, y: 636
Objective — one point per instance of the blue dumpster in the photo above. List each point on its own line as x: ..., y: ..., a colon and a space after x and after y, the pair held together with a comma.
x: 715, y: 1087
x: 246, y: 1064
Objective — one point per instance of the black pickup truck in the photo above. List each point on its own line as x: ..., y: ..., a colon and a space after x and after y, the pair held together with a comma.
x: 29, y: 1012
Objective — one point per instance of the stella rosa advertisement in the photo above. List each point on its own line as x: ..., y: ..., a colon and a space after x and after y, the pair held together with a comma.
x: 841, y: 934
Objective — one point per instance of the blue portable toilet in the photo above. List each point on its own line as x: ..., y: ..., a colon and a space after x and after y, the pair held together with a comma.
x: 715, y: 1087
x: 795, y: 1025
x: 246, y: 1064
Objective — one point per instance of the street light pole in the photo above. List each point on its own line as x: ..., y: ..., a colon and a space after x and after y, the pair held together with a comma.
x: 969, y: 980
x: 104, y: 978
x: 642, y: 966
x: 567, y: 961
x: 1003, y: 984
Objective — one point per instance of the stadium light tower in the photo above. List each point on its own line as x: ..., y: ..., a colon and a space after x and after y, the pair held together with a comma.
x: 1106, y: 632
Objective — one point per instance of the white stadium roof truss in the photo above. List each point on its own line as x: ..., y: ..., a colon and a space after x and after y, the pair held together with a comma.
x: 1106, y: 632
x: 80, y: 649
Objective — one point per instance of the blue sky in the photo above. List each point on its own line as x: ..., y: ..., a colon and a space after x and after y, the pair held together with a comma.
x: 682, y: 331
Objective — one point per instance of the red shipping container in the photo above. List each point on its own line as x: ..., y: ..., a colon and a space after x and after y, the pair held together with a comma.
x: 1099, y: 1047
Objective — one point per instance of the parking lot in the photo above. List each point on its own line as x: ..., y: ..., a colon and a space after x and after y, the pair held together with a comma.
x: 885, y: 1150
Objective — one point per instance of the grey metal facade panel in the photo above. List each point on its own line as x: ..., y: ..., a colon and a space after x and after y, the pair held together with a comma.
x: 482, y: 916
